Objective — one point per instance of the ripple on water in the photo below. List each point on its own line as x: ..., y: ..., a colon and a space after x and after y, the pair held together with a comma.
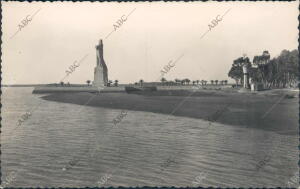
x: 143, y: 149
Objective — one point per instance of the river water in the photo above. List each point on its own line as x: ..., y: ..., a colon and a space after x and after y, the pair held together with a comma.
x: 67, y: 145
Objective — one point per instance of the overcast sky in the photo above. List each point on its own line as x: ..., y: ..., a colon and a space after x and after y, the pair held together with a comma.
x: 155, y: 33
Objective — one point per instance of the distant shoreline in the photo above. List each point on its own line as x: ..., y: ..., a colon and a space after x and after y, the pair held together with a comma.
x: 85, y: 85
x: 20, y: 85
x: 38, y: 85
x: 242, y: 110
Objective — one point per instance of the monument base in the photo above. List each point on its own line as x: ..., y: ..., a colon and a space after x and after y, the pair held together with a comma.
x: 98, y: 77
x: 243, y: 90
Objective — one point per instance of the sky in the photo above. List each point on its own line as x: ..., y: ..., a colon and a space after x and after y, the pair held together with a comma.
x: 154, y: 34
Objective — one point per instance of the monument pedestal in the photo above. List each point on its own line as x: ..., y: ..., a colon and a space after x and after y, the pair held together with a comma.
x: 98, y: 77
x: 244, y: 90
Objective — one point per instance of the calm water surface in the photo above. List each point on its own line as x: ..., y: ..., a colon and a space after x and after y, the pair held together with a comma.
x: 143, y: 149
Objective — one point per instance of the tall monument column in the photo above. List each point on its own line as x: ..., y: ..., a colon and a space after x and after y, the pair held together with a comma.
x: 100, y: 72
x: 246, y: 76
x: 245, y: 65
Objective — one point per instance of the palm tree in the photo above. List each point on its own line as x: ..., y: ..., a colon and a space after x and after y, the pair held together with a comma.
x: 88, y: 82
x: 212, y: 82
x: 225, y: 81
x: 187, y: 80
x: 182, y: 82
x: 202, y: 82
x: 194, y: 82
x: 109, y: 83
x: 62, y: 83
x: 197, y: 81
x: 141, y: 82
x: 163, y: 80
x: 136, y: 83
x: 216, y: 81
x: 116, y: 83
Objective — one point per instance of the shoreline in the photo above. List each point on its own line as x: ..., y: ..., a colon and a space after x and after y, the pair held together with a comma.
x: 261, y: 111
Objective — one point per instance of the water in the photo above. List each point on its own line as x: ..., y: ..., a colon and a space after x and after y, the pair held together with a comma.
x: 66, y: 145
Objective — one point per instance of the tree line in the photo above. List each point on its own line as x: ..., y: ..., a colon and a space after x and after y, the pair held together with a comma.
x: 186, y: 81
x: 278, y: 72
x: 88, y: 82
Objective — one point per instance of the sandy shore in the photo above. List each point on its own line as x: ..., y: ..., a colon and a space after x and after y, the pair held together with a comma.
x: 271, y: 110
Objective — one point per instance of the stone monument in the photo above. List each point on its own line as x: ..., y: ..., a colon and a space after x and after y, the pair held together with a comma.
x: 245, y: 72
x: 246, y: 76
x: 100, y: 72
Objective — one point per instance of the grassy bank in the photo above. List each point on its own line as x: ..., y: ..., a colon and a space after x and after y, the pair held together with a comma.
x: 269, y: 111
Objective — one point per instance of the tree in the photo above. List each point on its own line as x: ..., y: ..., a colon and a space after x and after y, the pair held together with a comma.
x: 88, y: 82
x: 182, y: 82
x: 109, y: 83
x: 193, y: 82
x: 262, y: 62
x: 212, y: 82
x: 116, y: 83
x: 62, y: 83
x: 236, y: 71
x: 216, y: 82
x: 254, y: 74
x: 187, y: 81
x: 141, y: 82
x: 163, y: 80
x: 292, y: 68
x: 225, y: 81
x: 197, y: 81
x: 202, y: 82
x: 262, y: 59
x: 284, y: 70
x: 281, y: 71
x: 177, y: 81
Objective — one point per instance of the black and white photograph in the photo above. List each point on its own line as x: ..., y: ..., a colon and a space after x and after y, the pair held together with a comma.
x: 156, y: 94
